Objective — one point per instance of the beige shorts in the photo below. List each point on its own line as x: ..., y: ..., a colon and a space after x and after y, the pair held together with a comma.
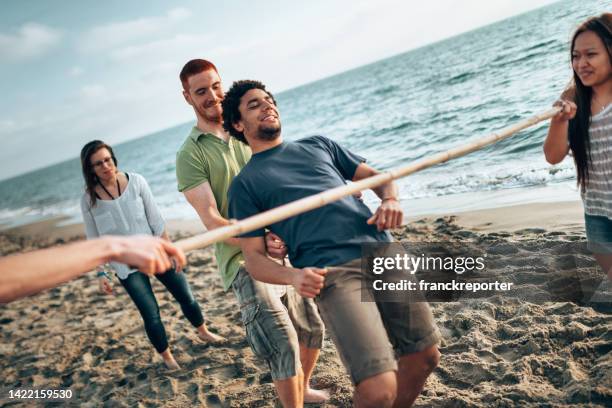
x: 369, y: 335
x: 276, y: 326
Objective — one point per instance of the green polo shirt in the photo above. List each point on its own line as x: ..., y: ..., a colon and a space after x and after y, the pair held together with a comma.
x: 204, y: 157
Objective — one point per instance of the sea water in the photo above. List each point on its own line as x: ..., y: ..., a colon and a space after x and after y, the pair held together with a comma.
x: 392, y: 112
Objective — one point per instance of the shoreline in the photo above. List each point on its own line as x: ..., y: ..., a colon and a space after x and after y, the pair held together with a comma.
x: 68, y: 226
x: 565, y: 216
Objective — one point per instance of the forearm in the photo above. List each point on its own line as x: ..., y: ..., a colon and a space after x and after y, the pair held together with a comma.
x: 25, y: 274
x: 388, y: 190
x: 213, y: 221
x: 264, y: 269
x: 556, y: 143
x: 203, y: 201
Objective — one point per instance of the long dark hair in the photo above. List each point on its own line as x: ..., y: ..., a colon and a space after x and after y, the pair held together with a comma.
x: 579, y: 126
x: 88, y: 172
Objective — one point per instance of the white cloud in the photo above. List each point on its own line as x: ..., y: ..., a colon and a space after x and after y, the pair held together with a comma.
x: 31, y: 40
x: 112, y: 35
x: 179, y: 44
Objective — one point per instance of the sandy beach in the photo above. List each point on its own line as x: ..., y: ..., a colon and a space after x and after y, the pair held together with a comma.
x: 500, y: 351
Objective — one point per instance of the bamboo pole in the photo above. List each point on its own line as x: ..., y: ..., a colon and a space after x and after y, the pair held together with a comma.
x: 318, y: 200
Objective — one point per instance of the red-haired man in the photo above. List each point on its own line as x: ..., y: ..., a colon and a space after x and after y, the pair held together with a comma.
x: 286, y: 331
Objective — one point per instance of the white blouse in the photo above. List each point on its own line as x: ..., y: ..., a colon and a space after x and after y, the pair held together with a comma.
x: 133, y: 212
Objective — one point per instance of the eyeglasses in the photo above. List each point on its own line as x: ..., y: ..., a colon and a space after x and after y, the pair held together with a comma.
x: 99, y: 163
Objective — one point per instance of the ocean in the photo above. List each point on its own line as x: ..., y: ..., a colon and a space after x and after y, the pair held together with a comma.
x: 392, y: 112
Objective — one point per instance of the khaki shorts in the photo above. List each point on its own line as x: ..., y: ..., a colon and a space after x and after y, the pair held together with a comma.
x: 276, y: 326
x: 370, y: 336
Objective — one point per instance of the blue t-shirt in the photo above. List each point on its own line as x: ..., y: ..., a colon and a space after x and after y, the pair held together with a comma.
x: 327, y: 236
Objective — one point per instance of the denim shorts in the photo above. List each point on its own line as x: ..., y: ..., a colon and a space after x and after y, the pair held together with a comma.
x: 599, y: 233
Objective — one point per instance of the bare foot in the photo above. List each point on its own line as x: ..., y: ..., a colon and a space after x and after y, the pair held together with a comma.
x: 169, y: 360
x: 208, y: 336
x: 315, y: 396
x: 171, y: 364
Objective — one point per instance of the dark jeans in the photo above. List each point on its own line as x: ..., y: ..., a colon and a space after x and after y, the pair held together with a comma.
x: 138, y: 286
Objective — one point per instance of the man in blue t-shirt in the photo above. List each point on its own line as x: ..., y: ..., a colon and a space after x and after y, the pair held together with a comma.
x: 328, y: 238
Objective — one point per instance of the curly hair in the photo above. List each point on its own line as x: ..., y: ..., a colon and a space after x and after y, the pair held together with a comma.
x: 231, y: 102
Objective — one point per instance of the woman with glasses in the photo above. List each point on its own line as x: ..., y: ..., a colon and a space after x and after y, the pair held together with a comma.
x: 121, y: 203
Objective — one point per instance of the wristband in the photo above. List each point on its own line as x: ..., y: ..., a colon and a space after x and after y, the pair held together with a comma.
x: 389, y: 198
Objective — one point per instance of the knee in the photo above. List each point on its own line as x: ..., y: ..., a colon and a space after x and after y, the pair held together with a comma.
x: 152, y: 320
x: 182, y: 293
x: 377, y: 392
x: 189, y: 303
x: 430, y: 359
x: 421, y: 363
x: 382, y: 397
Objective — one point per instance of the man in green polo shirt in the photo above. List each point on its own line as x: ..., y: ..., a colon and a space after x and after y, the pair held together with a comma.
x: 289, y: 335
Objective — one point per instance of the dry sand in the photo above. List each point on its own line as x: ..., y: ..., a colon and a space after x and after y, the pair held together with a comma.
x: 501, y: 351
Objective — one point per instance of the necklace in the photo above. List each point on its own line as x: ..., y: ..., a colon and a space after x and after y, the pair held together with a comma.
x: 601, y: 105
x: 109, y: 194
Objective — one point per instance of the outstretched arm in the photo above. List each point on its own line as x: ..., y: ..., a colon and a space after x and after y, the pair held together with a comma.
x: 25, y: 274
x: 307, y: 281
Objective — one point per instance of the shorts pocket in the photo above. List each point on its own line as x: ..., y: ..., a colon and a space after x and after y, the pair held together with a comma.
x: 255, y: 331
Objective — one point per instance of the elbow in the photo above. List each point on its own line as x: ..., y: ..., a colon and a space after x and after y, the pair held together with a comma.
x: 553, y: 157
x: 209, y: 222
x: 252, y: 271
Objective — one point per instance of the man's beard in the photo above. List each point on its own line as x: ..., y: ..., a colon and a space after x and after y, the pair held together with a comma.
x: 268, y: 133
x: 214, y: 118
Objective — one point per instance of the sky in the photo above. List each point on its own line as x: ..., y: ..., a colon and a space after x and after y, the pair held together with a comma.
x: 76, y: 70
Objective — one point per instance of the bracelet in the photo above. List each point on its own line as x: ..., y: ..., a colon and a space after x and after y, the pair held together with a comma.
x: 389, y: 198
x: 103, y: 273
